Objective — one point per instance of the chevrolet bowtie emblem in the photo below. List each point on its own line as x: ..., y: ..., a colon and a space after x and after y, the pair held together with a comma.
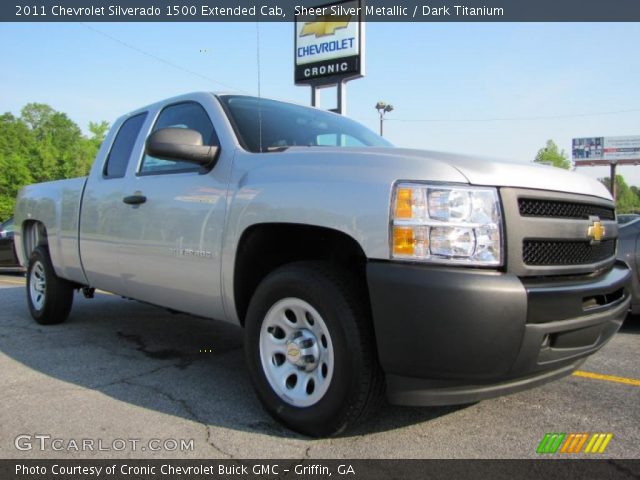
x: 293, y: 352
x: 322, y: 29
x: 596, y: 231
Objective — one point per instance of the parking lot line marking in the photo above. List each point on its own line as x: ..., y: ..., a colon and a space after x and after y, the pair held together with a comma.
x: 12, y: 281
x: 23, y: 283
x: 607, y: 378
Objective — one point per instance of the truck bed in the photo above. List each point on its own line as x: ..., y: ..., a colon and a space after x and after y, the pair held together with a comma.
x: 57, y: 205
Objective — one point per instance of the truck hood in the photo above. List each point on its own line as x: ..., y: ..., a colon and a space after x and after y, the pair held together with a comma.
x: 486, y: 171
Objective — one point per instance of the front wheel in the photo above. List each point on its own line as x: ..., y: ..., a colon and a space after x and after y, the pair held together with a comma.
x: 310, y: 349
x: 49, y: 297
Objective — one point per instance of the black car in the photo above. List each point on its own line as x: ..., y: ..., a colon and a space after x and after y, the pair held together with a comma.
x: 8, y: 258
x: 625, y: 218
x: 629, y: 251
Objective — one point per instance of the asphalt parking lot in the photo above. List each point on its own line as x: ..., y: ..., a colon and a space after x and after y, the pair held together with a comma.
x: 119, y: 369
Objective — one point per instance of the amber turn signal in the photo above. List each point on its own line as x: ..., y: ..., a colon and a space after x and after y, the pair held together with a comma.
x: 403, y: 203
x: 403, y: 241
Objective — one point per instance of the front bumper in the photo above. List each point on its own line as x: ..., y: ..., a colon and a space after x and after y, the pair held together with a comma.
x: 458, y: 335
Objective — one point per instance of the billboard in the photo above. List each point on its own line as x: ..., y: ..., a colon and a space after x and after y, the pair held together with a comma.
x: 329, y: 43
x: 606, y: 149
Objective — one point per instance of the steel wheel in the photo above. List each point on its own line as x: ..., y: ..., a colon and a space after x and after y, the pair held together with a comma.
x: 296, y: 352
x: 310, y: 348
x: 49, y: 297
x: 37, y: 285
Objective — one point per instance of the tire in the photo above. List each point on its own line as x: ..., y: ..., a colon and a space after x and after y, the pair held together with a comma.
x: 309, y: 323
x: 49, y: 297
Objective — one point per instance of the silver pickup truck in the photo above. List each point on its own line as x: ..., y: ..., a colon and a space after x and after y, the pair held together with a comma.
x: 356, y: 269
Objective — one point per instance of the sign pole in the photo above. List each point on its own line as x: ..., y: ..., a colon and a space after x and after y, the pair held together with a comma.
x: 603, y: 151
x: 315, y: 96
x: 342, y: 98
x: 612, y: 180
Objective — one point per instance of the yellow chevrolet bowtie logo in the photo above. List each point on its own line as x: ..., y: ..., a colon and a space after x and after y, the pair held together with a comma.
x: 596, y: 231
x: 293, y: 352
x: 322, y: 29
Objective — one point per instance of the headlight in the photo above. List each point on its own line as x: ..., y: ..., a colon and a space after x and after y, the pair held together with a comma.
x: 446, y: 224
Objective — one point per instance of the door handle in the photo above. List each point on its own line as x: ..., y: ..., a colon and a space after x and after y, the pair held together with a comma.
x: 136, y: 199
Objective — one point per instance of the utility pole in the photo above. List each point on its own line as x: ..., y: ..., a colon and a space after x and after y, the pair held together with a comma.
x: 383, y: 108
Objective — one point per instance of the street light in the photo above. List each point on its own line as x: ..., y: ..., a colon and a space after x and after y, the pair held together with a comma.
x: 382, y: 109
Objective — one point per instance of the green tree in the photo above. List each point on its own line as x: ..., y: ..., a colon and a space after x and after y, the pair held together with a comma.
x: 98, y: 132
x: 551, y: 155
x: 58, y: 142
x: 91, y: 145
x: 36, y: 116
x: 41, y: 145
x: 15, y: 174
x: 16, y: 144
x: 626, y: 199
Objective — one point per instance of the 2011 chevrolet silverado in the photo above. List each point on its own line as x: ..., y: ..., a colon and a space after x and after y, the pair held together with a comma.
x: 354, y: 267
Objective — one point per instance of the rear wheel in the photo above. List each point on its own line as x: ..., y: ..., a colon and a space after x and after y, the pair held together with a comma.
x: 311, y: 350
x: 49, y: 297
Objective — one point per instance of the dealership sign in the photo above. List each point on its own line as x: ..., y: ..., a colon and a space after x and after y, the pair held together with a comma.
x: 329, y: 43
x: 606, y: 149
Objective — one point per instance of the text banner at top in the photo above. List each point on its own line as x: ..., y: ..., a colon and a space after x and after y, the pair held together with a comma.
x: 286, y: 10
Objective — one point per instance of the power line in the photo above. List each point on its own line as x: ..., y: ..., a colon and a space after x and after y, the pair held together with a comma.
x: 505, y: 119
x: 159, y: 59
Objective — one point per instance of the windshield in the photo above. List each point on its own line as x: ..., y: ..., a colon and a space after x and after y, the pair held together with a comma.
x: 7, y: 227
x: 625, y: 218
x: 286, y: 125
x: 627, y: 222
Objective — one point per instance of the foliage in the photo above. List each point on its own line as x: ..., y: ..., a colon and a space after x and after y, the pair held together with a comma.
x: 550, y: 155
x: 41, y: 145
x: 627, y: 199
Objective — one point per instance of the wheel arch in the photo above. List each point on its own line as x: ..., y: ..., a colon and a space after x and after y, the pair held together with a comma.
x: 34, y: 234
x: 267, y: 246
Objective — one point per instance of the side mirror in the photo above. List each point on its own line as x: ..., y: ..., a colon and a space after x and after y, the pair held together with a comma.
x: 180, y: 144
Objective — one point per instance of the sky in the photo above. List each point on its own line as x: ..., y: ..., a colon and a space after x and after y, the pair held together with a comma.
x: 490, y: 89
